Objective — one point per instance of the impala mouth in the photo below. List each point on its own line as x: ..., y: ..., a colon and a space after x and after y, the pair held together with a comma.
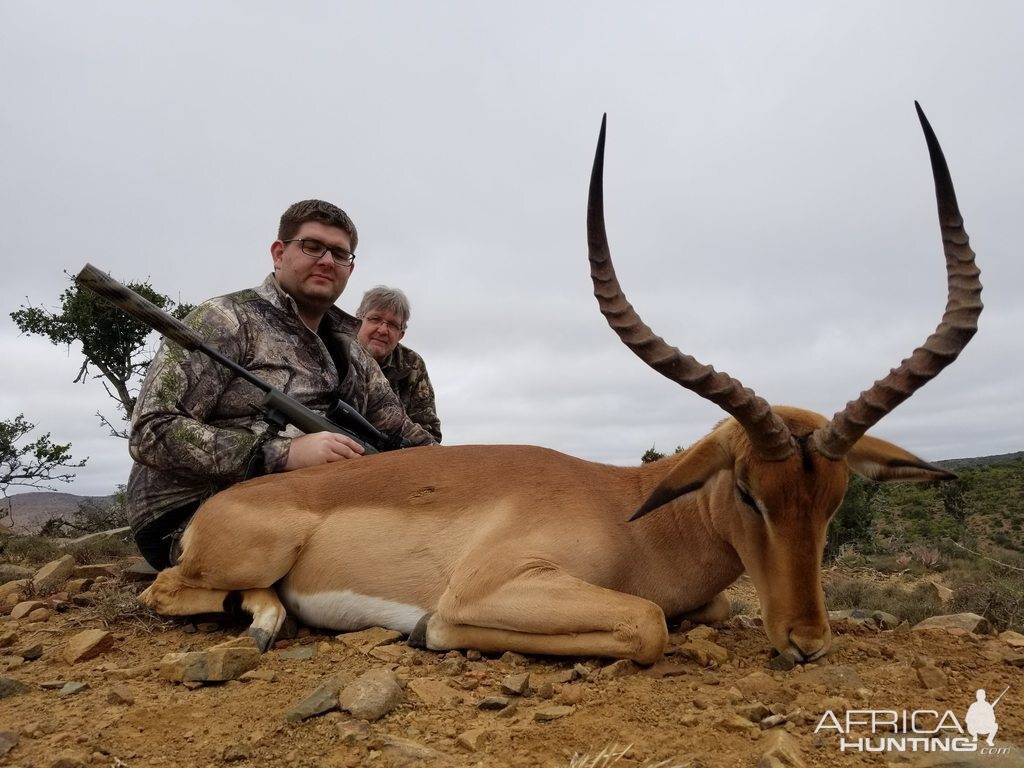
x: 802, y: 658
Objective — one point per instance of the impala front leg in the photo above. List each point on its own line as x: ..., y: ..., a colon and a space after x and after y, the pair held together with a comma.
x: 546, y: 611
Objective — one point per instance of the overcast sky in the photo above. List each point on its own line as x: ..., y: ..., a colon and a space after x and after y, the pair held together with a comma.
x: 768, y: 196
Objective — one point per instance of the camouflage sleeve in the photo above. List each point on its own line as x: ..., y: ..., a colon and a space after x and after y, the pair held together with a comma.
x: 420, y: 400
x: 383, y: 408
x: 169, y: 424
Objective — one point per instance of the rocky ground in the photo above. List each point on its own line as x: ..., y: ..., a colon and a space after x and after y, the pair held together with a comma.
x: 87, y: 677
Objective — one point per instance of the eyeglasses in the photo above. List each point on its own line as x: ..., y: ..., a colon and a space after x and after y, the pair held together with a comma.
x: 379, y: 321
x: 315, y: 249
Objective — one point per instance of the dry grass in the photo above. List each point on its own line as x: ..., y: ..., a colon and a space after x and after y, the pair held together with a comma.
x: 102, y: 550
x: 912, y: 605
x: 117, y: 604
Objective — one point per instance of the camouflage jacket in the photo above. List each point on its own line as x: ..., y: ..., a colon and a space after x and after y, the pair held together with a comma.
x: 196, y: 428
x: 407, y: 374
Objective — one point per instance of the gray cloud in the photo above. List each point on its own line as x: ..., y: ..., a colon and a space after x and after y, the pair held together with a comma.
x: 767, y: 189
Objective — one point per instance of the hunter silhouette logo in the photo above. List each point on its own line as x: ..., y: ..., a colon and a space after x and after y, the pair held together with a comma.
x: 919, y: 730
x: 981, y: 716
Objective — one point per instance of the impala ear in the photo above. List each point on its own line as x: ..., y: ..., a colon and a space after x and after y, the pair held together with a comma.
x: 888, y: 463
x: 698, y: 465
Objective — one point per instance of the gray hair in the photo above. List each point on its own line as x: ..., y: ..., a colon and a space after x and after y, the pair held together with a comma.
x: 387, y: 299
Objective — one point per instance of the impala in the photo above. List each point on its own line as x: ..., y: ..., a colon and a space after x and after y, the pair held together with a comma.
x: 526, y: 549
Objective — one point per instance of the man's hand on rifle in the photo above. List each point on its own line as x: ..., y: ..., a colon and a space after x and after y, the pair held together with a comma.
x: 321, y: 448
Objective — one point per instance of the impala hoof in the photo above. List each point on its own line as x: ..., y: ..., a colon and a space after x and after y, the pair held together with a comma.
x: 418, y: 636
x: 264, y: 638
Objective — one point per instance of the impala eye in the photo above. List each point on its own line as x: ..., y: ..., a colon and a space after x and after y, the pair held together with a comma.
x: 747, y: 499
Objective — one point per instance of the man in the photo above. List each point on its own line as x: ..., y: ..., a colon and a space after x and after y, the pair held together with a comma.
x: 379, y: 325
x: 196, y: 429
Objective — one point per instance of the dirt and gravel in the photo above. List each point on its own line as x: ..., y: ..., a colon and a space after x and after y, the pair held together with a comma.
x: 107, y: 697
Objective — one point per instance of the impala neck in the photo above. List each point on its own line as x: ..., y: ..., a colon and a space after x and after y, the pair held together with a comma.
x: 687, y: 560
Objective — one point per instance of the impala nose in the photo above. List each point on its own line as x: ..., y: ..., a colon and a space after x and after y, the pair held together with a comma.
x: 809, y: 643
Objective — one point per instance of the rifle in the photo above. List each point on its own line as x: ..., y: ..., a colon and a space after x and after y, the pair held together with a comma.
x: 1000, y: 696
x: 277, y: 408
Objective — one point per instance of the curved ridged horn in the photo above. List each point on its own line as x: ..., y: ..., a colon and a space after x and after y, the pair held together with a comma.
x: 959, y: 323
x: 767, y: 432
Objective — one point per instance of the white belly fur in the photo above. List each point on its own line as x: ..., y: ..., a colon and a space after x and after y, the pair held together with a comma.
x: 348, y: 610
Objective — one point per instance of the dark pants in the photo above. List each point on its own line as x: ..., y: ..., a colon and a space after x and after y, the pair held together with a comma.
x: 160, y: 541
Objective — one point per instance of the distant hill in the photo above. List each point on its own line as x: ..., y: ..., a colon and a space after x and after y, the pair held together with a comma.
x: 982, y: 461
x: 28, y: 511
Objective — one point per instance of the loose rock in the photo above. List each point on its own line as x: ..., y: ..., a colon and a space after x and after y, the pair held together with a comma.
x: 7, y: 638
x: 970, y: 622
x: 545, y: 714
x: 773, y: 721
x: 30, y: 652
x: 755, y: 712
x: 323, y: 699
x: 120, y: 694
x: 368, y: 639
x: 10, y: 686
x: 570, y: 695
x: 351, y: 731
x: 620, y: 668
x: 782, y: 662
x: 402, y: 751
x: 515, y: 659
x: 24, y: 608
x: 75, y: 586
x: 517, y: 685
x: 1014, y: 639
x: 474, y: 739
x: 225, y: 661
x: 96, y: 570
x: 931, y: 677
x: 781, y: 752
x: 666, y: 668
x: 264, y: 675
x: 582, y: 671
x: 8, y: 741
x: 16, y: 587
x: 942, y: 594
x: 130, y: 673
x: 52, y: 576
x: 702, y: 632
x: 453, y: 666
x: 298, y: 653
x: 71, y: 688
x: 138, y: 571
x: 389, y: 654
x: 736, y: 723
x: 87, y: 645
x: 494, y: 702
x: 241, y: 750
x: 372, y: 695
x: 39, y: 615
x: 704, y: 652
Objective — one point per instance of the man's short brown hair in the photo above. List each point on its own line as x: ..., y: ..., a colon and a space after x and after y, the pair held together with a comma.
x: 315, y: 210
